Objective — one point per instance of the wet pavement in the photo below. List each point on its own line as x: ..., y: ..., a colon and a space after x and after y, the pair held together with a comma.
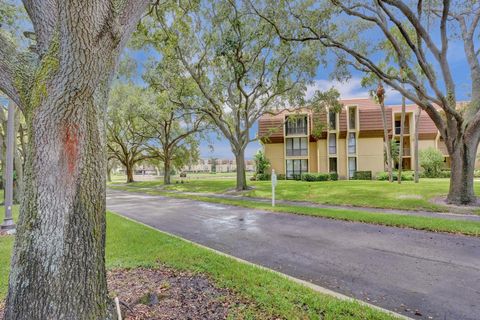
x: 408, y: 271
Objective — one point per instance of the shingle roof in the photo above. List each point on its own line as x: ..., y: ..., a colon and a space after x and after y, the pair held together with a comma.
x: 270, y: 128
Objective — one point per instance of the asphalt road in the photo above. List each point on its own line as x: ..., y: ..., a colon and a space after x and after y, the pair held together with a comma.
x: 437, y: 275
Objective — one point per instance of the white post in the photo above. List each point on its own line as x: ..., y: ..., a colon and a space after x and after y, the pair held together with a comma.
x: 8, y: 220
x: 274, y: 184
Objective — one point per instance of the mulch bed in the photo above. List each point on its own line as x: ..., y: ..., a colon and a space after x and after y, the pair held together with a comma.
x: 168, y: 294
x: 442, y: 200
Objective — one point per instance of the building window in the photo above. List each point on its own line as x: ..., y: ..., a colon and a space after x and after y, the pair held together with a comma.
x: 352, y: 166
x: 398, y: 126
x: 332, y: 143
x: 332, y: 164
x: 296, y: 147
x: 295, y: 168
x: 296, y: 125
x: 352, y: 118
x: 352, y: 143
x: 332, y: 120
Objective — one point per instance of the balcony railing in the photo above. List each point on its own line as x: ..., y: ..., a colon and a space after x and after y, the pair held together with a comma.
x: 297, y: 152
x: 296, y: 131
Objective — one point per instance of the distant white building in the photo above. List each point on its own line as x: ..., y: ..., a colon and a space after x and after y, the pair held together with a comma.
x: 220, y: 165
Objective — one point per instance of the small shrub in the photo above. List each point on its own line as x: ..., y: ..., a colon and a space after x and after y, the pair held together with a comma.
x: 362, y: 175
x: 183, y: 175
x: 309, y: 177
x: 476, y: 173
x: 323, y: 176
x: 281, y: 176
x: 261, y: 162
x: 263, y: 176
x: 315, y: 177
x: 406, y: 176
x: 431, y: 160
x: 296, y: 177
x: 333, y: 176
x: 382, y: 176
x: 445, y: 174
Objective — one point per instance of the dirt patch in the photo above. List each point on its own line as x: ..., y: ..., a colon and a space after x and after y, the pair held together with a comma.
x: 470, y: 209
x: 409, y: 196
x: 168, y: 294
x: 161, y: 294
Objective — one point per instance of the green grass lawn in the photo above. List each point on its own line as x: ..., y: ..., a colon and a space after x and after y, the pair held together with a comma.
x: 131, y: 245
x: 374, y: 194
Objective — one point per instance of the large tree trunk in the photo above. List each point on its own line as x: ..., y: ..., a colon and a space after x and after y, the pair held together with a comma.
x: 109, y: 173
x: 415, y: 147
x: 400, y: 151
x: 462, y: 174
x: 387, y: 142
x: 166, y: 171
x: 58, y: 264
x: 241, y: 176
x: 58, y: 267
x: 129, y: 169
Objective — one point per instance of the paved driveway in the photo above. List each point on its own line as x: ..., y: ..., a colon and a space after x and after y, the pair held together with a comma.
x: 403, y: 270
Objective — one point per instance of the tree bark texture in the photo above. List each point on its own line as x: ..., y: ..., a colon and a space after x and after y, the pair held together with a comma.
x: 129, y: 169
x: 241, y: 176
x: 166, y: 170
x: 58, y: 264
x: 462, y: 174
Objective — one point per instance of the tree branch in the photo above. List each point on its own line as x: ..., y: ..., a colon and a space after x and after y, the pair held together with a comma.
x: 44, y: 15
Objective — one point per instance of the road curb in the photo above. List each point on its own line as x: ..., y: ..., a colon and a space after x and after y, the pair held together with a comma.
x: 307, y: 284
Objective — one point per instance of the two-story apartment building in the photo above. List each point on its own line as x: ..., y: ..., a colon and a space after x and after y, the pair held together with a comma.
x: 343, y: 142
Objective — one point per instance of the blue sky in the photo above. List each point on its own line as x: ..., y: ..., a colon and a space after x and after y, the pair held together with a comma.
x: 349, y: 89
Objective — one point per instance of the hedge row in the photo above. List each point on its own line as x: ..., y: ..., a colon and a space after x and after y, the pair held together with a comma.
x: 333, y: 176
x: 406, y: 176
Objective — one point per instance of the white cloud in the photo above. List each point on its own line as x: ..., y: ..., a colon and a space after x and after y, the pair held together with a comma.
x: 349, y: 89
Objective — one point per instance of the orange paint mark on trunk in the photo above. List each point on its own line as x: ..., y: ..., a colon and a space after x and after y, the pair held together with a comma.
x: 70, y: 142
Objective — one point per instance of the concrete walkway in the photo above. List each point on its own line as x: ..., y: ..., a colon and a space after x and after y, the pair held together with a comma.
x: 408, y: 271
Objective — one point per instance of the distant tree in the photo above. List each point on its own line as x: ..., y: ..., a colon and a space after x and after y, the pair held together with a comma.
x: 237, y: 63
x: 127, y: 132
x: 173, y: 138
x: 177, y: 126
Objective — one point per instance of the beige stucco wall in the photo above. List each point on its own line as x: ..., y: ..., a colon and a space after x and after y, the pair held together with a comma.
x: 322, y: 155
x: 370, y: 155
x: 342, y: 158
x: 275, y: 153
x: 312, y: 159
x: 424, y: 144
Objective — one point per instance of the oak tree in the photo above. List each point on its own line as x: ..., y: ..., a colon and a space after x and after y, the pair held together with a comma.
x: 61, y: 84
x: 355, y: 28
x: 237, y: 63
